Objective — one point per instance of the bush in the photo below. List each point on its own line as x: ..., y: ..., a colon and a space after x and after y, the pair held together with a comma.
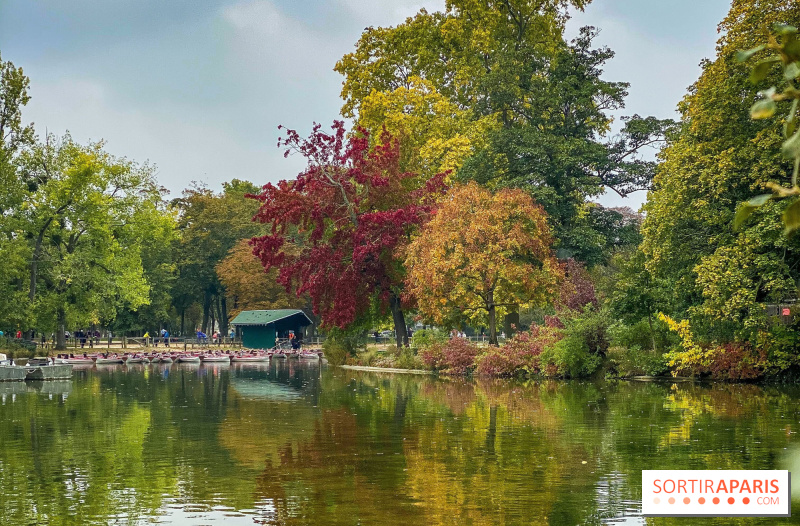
x: 425, y: 338
x: 639, y: 335
x: 520, y: 355
x: 570, y: 357
x: 455, y: 356
x: 340, y: 345
x: 635, y: 361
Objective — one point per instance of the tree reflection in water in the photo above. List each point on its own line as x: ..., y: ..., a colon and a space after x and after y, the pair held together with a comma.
x: 288, y: 443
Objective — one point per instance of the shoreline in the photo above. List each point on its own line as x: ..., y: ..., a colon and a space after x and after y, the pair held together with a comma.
x: 384, y: 369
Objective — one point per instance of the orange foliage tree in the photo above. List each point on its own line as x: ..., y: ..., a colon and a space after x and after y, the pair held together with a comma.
x: 248, y: 287
x: 481, y: 255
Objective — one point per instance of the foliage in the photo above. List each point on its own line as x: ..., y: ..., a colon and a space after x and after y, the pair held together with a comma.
x: 437, y: 135
x: 209, y: 225
x: 569, y: 358
x: 340, y: 344
x: 519, y: 355
x: 248, y: 286
x: 635, y: 361
x: 336, y: 228
x: 539, y: 101
x: 480, y: 255
x: 576, y: 290
x: 86, y: 216
x: 785, y: 45
x: 718, y: 278
x: 583, y: 346
x: 454, y: 357
x: 425, y: 338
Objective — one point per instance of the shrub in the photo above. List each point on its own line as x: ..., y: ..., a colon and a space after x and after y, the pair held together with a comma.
x: 519, y: 355
x: 636, y: 361
x: 569, y: 357
x: 425, y: 338
x: 340, y: 345
x: 455, y: 356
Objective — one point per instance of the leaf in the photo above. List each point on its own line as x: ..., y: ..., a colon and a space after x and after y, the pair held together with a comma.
x: 791, y: 217
x: 791, y: 147
x: 763, y: 109
x: 744, y: 211
x: 760, y: 71
x: 759, y: 200
x: 743, y: 56
x: 792, y: 71
x: 784, y: 29
x: 747, y: 208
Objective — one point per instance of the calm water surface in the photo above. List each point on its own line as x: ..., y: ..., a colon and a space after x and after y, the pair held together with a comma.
x: 292, y: 444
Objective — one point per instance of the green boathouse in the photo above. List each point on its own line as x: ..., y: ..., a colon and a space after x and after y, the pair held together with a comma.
x: 260, y: 329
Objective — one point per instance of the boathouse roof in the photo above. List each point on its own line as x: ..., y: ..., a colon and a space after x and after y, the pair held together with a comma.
x: 265, y: 317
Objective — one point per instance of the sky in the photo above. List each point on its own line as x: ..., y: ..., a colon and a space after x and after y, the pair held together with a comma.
x: 199, y: 87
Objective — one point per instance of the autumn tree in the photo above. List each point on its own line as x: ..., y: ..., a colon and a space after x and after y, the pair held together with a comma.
x: 481, y: 255
x: 336, y: 229
x: 494, y: 91
x: 248, y: 286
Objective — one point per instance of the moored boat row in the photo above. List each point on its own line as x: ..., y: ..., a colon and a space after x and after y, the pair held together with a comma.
x: 227, y: 356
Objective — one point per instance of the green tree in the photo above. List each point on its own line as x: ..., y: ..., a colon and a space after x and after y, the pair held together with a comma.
x: 15, y: 137
x: 209, y: 226
x: 84, y: 220
x: 541, y: 102
x: 720, y: 158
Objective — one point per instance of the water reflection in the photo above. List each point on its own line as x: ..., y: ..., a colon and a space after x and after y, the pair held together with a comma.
x: 289, y: 443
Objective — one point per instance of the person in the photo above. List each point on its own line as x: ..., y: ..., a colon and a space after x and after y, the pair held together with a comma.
x: 295, y: 344
x: 82, y: 335
x: 165, y: 337
x: 215, y: 337
x: 232, y: 333
x: 377, y: 336
x: 2, y: 334
x: 19, y: 334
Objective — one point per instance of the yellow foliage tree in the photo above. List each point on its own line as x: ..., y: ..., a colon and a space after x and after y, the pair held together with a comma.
x: 437, y: 135
x: 480, y: 255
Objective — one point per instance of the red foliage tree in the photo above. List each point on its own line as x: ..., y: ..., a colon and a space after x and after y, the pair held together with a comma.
x: 337, y: 227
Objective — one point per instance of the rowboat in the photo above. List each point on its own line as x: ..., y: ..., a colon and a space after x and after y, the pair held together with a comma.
x: 279, y: 355
x: 187, y: 358
x: 309, y: 356
x: 166, y: 359
x: 108, y: 361
x: 211, y: 358
x: 75, y: 361
x: 250, y: 358
x: 137, y: 359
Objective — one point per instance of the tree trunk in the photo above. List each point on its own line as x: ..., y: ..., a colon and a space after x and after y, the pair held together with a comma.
x: 652, y: 332
x: 400, y: 330
x: 61, y: 340
x: 492, y: 320
x: 206, y: 308
x: 511, y: 323
x: 223, y: 316
x: 183, y: 319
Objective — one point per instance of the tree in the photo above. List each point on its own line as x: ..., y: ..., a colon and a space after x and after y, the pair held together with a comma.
x: 15, y: 137
x: 209, y: 226
x: 437, y: 135
x: 541, y: 102
x: 720, y: 158
x: 336, y: 229
x: 481, y: 255
x: 248, y: 286
x: 82, y: 219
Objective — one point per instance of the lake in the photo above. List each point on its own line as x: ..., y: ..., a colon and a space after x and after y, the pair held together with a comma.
x: 294, y: 443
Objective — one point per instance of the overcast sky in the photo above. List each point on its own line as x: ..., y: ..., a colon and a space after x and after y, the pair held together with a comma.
x: 198, y: 87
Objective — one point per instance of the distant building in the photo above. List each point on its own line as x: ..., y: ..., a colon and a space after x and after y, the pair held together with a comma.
x: 260, y: 329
